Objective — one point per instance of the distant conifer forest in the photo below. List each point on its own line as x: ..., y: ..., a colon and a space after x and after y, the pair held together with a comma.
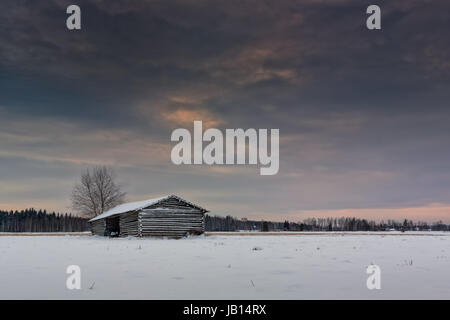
x: 31, y: 220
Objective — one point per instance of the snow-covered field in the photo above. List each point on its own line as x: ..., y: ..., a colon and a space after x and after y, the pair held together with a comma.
x: 227, y: 267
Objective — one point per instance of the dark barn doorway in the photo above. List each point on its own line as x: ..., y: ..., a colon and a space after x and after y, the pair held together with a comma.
x: 112, y: 227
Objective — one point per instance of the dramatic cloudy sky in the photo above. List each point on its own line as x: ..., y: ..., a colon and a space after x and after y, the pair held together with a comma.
x: 363, y: 115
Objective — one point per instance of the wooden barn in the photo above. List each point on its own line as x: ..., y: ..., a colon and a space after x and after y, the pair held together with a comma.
x: 168, y: 216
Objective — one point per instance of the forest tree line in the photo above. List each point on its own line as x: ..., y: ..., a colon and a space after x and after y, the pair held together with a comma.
x: 228, y: 223
x: 31, y: 220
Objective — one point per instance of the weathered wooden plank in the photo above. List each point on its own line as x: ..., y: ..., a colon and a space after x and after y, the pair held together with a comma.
x: 98, y: 227
x: 129, y: 224
x: 174, y: 221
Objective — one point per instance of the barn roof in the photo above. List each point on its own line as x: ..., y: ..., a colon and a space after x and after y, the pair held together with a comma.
x: 134, y: 206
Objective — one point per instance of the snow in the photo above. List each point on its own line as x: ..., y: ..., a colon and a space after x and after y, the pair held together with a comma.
x: 126, y: 207
x: 134, y: 206
x: 330, y: 266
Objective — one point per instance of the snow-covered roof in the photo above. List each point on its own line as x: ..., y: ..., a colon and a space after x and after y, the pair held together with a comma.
x: 138, y: 205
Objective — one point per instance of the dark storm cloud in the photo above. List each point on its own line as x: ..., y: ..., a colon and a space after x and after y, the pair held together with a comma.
x: 363, y: 115
x: 297, y: 55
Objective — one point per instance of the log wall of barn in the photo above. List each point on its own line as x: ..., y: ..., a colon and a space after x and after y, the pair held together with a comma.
x: 98, y: 227
x: 129, y: 224
x: 170, y: 223
x: 171, y: 218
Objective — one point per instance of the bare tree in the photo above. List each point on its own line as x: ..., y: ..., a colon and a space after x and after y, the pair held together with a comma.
x: 97, y: 192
